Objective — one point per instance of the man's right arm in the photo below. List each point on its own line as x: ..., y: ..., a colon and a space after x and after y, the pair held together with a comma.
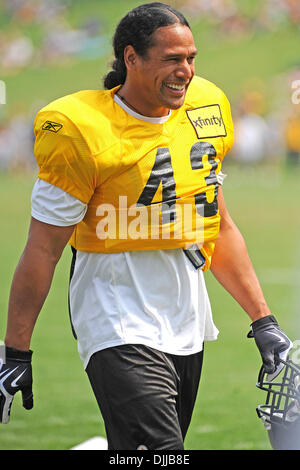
x: 32, y: 280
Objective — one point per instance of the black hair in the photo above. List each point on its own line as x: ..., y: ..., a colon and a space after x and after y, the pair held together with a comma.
x: 137, y: 28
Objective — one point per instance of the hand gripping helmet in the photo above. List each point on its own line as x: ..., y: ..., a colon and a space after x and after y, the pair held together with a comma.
x: 281, y: 411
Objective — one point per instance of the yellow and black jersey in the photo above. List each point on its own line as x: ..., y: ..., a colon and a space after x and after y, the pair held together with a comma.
x: 147, y: 185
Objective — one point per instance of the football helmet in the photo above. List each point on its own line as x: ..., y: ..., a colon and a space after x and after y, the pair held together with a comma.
x: 281, y: 411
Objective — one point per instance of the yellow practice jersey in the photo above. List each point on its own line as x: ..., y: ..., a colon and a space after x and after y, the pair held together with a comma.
x: 147, y: 185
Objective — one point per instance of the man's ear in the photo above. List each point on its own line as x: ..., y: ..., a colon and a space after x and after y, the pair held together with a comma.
x: 130, y: 57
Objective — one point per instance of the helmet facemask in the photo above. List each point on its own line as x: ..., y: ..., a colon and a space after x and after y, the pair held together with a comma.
x: 281, y: 411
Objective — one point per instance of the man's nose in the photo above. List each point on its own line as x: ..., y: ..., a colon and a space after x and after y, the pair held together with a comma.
x: 185, y: 70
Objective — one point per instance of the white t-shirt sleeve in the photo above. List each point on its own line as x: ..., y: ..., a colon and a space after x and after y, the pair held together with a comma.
x: 52, y: 205
x: 221, y: 177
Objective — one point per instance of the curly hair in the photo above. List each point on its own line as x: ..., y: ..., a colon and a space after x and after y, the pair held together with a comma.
x: 137, y: 28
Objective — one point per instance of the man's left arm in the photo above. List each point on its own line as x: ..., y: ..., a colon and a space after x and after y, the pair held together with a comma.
x: 232, y: 267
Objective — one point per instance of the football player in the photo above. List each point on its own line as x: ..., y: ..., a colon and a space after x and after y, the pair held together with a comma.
x: 131, y: 177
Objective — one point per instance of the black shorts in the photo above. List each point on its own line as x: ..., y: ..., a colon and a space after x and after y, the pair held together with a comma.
x: 146, y: 397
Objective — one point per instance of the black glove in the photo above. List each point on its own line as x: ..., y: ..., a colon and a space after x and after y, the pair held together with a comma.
x: 15, y: 375
x: 270, y: 341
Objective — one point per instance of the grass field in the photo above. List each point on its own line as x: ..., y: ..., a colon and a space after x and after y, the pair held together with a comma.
x: 264, y: 203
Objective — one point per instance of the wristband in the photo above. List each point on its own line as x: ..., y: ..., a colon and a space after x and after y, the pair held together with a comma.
x: 18, y: 354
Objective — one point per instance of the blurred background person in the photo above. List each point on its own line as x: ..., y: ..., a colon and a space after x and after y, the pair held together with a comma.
x: 292, y: 137
x: 251, y: 130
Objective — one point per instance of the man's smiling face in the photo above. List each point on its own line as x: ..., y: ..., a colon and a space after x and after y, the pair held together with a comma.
x: 162, y: 77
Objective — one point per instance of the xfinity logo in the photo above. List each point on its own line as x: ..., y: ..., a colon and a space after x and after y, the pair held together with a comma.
x: 207, y: 121
x: 2, y: 92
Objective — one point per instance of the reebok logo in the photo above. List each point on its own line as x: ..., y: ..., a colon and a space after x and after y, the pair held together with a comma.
x: 207, y: 121
x: 51, y: 126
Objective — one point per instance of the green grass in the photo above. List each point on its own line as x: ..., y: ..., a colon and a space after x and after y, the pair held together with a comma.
x: 264, y: 203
